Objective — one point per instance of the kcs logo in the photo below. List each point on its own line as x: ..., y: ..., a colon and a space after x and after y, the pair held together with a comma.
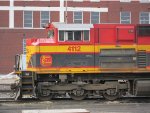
x: 46, y: 60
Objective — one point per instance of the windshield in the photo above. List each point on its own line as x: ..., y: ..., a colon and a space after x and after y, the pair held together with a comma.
x: 50, y: 33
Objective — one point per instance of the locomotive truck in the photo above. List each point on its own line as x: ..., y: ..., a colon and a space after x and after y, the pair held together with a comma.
x: 83, y: 60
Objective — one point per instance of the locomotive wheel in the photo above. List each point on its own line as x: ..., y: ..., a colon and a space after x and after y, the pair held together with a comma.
x: 45, y: 96
x: 78, y: 94
x: 111, y: 94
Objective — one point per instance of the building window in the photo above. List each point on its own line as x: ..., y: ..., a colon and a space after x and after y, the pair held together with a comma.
x: 125, y: 0
x: 125, y: 17
x: 144, y: 18
x: 94, y: 17
x: 44, y: 18
x: 95, y: 0
x: 28, y: 19
x: 78, y: 17
x: 144, y: 1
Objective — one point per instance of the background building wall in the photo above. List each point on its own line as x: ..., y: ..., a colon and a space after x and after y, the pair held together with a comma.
x: 11, y: 39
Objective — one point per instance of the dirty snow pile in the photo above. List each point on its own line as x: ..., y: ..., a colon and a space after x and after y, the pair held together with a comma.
x: 9, y: 78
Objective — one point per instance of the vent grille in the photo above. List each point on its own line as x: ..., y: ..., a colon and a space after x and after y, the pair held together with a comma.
x: 117, y: 58
x: 142, y: 59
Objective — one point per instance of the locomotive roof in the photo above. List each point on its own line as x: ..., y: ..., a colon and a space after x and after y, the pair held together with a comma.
x: 70, y: 27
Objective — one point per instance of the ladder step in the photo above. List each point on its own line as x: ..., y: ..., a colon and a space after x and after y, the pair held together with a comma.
x: 27, y: 80
x: 27, y: 89
x: 26, y: 83
x: 27, y: 93
x: 27, y: 77
x: 26, y: 86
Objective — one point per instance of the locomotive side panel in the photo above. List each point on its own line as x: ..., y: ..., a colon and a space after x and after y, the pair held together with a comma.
x: 115, y: 50
x: 115, y: 47
x: 75, y: 58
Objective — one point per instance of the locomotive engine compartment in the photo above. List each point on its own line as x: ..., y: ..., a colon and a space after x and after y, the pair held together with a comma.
x: 83, y: 60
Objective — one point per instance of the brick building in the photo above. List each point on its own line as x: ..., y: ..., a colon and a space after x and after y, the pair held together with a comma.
x: 20, y: 19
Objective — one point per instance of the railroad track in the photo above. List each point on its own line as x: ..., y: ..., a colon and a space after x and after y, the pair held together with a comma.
x: 97, y: 100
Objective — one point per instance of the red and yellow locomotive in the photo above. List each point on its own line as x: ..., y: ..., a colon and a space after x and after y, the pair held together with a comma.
x: 87, y: 60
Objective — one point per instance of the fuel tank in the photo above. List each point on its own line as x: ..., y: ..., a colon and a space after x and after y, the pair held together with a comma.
x: 142, y: 88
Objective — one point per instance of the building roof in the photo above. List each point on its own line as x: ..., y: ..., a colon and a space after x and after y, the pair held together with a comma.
x: 63, y: 26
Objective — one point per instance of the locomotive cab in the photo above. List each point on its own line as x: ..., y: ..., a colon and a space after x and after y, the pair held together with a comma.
x: 65, y: 49
x: 69, y: 33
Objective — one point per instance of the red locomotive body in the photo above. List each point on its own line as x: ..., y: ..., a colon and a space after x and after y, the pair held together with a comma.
x: 99, y: 59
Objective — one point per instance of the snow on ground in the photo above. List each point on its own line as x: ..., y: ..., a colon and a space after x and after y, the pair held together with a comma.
x: 6, y: 83
x: 10, y: 78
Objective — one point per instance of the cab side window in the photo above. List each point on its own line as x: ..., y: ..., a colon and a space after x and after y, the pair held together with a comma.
x: 69, y: 35
x: 77, y: 35
x: 86, y: 35
x: 74, y: 35
x: 50, y: 34
x: 61, y: 36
